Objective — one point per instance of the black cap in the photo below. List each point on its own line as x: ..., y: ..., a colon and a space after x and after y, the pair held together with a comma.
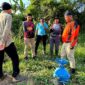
x: 68, y: 13
x: 6, y: 6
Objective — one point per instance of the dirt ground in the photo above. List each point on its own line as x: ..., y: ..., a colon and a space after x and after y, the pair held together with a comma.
x: 23, y: 81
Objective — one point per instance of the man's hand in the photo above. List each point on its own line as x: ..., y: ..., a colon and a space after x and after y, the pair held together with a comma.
x: 2, y: 46
x: 29, y: 28
x: 60, y: 35
x: 45, y: 29
x: 25, y: 39
x: 71, y: 47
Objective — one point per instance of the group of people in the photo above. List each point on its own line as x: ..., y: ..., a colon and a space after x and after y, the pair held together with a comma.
x: 69, y: 38
x: 41, y: 31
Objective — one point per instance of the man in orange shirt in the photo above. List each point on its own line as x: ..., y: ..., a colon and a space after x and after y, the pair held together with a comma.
x: 70, y: 38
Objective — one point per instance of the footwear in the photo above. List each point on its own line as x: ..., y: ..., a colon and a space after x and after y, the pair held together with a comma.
x: 19, y: 78
x: 13, y: 79
x: 3, y: 77
x: 35, y: 53
x: 15, y: 73
x: 34, y: 57
x: 73, y: 71
x: 56, y: 52
x: 51, y: 55
x: 26, y: 58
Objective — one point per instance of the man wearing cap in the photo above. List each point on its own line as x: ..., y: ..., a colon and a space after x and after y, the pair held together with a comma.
x: 70, y: 38
x: 6, y: 43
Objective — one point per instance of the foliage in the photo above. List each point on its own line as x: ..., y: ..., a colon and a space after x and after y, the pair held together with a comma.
x: 50, y: 8
x: 41, y: 70
x: 18, y: 6
x: 47, y: 9
x: 17, y: 24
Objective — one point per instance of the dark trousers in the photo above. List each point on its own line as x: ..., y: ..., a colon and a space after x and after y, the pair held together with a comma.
x: 38, y: 40
x: 12, y: 53
x: 54, y: 42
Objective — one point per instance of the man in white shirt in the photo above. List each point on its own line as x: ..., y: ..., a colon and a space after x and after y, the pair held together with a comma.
x: 6, y: 43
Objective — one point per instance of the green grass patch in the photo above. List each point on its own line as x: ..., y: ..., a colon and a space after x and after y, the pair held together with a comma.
x: 41, y: 69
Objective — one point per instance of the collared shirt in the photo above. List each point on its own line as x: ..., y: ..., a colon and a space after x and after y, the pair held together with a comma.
x: 5, y: 28
x: 40, y: 28
x: 70, y: 33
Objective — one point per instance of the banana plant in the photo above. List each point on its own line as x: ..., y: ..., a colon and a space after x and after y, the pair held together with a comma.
x: 22, y: 6
x: 18, y: 5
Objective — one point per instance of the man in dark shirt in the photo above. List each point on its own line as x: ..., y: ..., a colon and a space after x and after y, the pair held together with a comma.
x: 29, y: 33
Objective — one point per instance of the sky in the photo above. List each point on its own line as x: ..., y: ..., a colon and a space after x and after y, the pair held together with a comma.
x: 1, y: 1
x: 26, y: 2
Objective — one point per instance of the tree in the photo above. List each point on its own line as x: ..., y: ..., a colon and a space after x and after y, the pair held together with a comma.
x: 18, y: 5
x: 22, y: 6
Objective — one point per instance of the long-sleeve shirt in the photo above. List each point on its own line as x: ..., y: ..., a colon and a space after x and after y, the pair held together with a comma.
x: 70, y: 33
x: 27, y: 33
x: 5, y: 28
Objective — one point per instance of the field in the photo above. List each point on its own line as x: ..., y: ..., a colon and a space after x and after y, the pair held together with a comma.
x: 41, y: 70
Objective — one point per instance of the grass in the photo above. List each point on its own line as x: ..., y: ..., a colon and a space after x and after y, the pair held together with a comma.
x: 41, y: 69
